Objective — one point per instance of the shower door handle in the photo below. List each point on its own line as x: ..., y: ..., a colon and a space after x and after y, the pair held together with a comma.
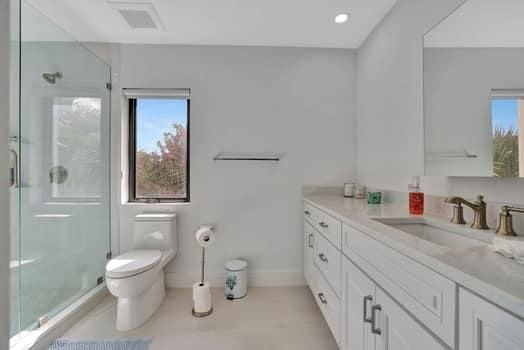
x: 13, y: 171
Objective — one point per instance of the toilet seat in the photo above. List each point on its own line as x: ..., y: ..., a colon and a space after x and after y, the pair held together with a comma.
x: 133, y: 263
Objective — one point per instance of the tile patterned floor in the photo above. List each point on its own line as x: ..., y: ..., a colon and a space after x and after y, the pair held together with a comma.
x: 267, y: 319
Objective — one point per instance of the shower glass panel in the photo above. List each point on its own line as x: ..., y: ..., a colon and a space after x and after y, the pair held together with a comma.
x: 14, y: 191
x: 62, y: 141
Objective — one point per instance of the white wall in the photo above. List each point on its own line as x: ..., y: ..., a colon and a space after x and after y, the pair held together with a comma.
x: 300, y: 102
x: 390, y: 107
x: 457, y: 97
x: 4, y: 195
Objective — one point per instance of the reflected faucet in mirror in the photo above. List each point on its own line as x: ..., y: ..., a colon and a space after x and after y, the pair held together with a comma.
x: 479, y: 210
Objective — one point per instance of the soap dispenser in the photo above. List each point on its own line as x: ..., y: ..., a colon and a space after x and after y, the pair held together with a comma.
x: 416, y: 197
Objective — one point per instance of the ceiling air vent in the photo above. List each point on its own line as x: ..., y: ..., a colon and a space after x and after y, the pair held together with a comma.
x: 138, y: 15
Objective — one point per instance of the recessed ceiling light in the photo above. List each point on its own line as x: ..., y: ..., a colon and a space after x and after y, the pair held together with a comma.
x: 341, y: 18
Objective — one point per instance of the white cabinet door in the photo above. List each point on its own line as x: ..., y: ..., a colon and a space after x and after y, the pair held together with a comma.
x: 358, y: 295
x: 483, y: 326
x: 309, y: 255
x: 396, y: 330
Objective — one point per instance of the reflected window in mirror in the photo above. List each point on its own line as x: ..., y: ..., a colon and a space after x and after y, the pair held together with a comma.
x: 507, y: 115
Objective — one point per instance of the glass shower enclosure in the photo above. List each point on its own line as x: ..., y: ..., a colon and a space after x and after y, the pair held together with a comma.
x: 59, y: 171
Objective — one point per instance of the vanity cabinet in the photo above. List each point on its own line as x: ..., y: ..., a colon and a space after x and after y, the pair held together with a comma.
x: 398, y: 330
x: 309, y: 254
x: 372, y: 320
x: 376, y: 297
x: 327, y: 259
x: 358, y: 295
x: 322, y: 257
x: 484, y: 326
x: 424, y: 293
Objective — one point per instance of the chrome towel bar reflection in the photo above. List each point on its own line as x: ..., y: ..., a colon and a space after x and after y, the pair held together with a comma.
x: 248, y: 157
x: 451, y: 154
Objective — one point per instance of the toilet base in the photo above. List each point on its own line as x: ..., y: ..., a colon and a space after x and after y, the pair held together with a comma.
x: 134, y: 311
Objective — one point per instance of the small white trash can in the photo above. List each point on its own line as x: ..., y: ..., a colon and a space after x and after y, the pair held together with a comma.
x: 236, y: 279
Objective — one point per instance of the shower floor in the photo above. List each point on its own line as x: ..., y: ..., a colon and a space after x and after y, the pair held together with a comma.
x: 37, y: 302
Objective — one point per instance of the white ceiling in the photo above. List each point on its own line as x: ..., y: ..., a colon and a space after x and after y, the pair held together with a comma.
x: 481, y: 23
x: 308, y: 23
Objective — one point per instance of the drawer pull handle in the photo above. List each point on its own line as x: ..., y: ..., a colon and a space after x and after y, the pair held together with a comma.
x: 307, y: 212
x: 374, y: 328
x: 309, y: 244
x: 366, y: 318
x: 323, y: 224
x: 323, y: 257
x: 322, y: 298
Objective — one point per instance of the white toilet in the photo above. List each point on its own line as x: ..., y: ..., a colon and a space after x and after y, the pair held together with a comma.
x: 136, y: 278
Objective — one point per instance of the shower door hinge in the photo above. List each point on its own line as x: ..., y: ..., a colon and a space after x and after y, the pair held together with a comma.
x: 109, y: 255
x: 109, y: 86
x: 42, y: 320
x: 99, y: 280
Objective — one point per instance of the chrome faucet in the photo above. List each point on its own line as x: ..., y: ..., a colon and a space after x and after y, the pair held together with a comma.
x: 479, y: 210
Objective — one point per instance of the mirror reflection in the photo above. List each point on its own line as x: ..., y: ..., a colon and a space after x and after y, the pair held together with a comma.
x: 474, y: 91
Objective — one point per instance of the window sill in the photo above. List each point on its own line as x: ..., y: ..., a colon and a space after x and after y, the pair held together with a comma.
x: 161, y: 204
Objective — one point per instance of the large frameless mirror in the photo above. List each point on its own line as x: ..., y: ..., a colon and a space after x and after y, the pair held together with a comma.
x: 474, y: 91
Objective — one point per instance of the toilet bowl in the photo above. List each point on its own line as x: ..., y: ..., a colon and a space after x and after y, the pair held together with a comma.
x: 136, y: 278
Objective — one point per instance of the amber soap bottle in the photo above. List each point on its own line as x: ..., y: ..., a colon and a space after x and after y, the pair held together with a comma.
x: 416, y: 197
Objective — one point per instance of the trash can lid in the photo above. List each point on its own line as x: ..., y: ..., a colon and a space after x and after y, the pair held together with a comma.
x: 236, y: 265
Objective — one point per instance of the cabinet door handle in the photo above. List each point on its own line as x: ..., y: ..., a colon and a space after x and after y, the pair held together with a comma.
x: 309, y: 244
x: 323, y: 257
x: 322, y: 298
x: 323, y: 224
x: 307, y: 212
x: 366, y: 300
x: 374, y: 328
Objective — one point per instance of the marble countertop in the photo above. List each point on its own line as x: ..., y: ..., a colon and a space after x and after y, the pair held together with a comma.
x: 477, y: 268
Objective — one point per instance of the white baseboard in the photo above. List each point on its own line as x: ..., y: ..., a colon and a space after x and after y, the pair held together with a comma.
x: 255, y: 279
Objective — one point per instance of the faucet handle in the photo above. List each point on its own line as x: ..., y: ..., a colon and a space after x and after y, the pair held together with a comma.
x: 458, y: 215
x: 505, y: 227
x: 480, y: 199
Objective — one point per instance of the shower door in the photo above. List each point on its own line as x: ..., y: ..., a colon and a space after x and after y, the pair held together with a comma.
x: 60, y: 172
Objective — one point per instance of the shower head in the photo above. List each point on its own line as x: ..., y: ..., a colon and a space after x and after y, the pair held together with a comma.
x: 52, y: 77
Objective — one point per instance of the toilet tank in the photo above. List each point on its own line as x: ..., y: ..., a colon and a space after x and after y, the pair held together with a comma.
x: 156, y: 231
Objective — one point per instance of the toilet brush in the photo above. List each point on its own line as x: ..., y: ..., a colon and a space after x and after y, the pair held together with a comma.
x: 202, y: 305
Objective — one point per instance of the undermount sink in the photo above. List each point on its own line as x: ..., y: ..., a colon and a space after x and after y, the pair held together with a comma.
x: 439, y: 233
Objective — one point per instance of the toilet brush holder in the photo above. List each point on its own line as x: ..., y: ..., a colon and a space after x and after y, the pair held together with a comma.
x: 202, y: 305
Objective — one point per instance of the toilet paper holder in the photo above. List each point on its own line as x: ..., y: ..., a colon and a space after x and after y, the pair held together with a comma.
x: 205, y: 237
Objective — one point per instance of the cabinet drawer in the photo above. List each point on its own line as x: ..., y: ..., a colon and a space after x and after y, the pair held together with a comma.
x: 426, y: 294
x: 330, y: 227
x: 327, y: 259
x: 329, y: 305
x: 309, y: 213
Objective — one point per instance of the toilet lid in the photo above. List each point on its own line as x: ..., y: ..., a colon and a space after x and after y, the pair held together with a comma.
x: 133, y: 263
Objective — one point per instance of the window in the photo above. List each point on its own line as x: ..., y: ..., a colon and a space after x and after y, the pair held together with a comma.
x: 507, y: 109
x: 159, y: 149
x: 75, y: 164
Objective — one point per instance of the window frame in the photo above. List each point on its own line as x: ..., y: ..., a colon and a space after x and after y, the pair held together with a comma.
x: 132, y: 197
